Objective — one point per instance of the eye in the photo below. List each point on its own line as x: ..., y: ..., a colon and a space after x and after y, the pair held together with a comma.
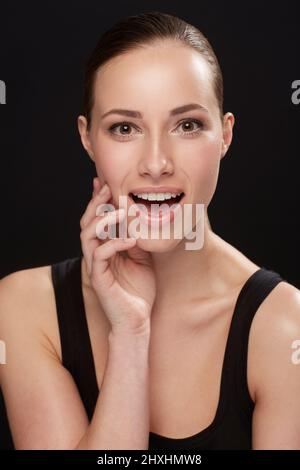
x: 125, y: 125
x: 188, y: 122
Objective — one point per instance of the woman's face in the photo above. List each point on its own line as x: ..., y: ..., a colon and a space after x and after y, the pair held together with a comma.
x: 153, y: 146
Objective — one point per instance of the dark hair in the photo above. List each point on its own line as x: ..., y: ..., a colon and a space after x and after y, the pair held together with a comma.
x: 136, y: 31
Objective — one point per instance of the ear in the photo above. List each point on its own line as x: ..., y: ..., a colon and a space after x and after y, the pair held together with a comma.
x: 85, y: 136
x: 228, y: 123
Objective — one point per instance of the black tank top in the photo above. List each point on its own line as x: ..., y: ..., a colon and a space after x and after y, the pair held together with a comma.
x: 231, y: 427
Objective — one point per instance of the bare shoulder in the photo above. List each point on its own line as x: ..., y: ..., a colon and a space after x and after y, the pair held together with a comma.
x: 42, y: 401
x: 274, y: 370
x: 274, y: 339
x: 26, y: 282
x: 27, y: 307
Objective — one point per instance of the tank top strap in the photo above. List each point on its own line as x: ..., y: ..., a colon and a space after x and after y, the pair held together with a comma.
x: 77, y: 356
x: 234, y: 380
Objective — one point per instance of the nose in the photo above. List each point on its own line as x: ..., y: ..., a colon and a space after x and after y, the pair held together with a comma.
x: 155, y: 162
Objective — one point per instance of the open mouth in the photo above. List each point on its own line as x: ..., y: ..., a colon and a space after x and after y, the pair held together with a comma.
x: 147, y: 203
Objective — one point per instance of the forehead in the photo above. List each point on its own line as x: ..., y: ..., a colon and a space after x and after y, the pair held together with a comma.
x: 153, y: 77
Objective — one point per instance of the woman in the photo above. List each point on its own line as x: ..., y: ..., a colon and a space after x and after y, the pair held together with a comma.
x: 163, y: 332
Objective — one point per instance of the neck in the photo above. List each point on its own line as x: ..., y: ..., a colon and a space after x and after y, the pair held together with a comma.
x: 183, y: 275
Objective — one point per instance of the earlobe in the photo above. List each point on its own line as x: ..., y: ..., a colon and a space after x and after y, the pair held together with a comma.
x: 224, y: 151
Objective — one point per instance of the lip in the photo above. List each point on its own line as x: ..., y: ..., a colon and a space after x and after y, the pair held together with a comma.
x: 156, y: 189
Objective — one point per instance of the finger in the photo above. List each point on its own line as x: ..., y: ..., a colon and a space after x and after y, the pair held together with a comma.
x: 88, y: 248
x: 93, y: 234
x: 96, y: 186
x: 95, y: 229
x: 89, y: 245
x: 90, y: 212
x: 100, y: 273
x: 107, y: 220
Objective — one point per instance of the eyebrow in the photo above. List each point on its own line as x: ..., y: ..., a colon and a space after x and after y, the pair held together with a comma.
x: 138, y: 114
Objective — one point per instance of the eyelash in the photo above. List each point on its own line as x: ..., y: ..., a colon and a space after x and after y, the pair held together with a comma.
x: 124, y: 137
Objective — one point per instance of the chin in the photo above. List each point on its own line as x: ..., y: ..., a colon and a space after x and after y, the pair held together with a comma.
x: 158, y: 245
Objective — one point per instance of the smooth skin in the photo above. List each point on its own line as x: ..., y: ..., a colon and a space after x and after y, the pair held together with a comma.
x: 179, y: 307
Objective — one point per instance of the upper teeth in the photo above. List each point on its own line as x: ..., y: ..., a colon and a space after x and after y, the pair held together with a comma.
x: 156, y: 196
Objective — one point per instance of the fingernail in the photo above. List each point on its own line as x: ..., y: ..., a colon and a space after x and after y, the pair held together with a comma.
x: 99, y: 210
x: 104, y: 189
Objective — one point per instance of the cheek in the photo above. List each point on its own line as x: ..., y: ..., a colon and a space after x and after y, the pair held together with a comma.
x: 202, y: 165
x: 111, y: 165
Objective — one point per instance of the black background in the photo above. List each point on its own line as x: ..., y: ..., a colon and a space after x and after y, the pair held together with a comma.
x: 46, y: 176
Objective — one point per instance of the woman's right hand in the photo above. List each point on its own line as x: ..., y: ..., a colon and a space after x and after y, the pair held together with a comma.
x: 120, y: 272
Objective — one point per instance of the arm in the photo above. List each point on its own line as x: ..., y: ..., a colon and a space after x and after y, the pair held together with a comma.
x: 276, y: 418
x: 121, y: 418
x: 43, y: 404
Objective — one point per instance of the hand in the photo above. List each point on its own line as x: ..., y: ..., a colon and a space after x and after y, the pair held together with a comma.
x: 120, y: 272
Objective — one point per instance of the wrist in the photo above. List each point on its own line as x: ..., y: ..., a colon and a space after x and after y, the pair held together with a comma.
x: 135, y: 337
x: 140, y: 329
